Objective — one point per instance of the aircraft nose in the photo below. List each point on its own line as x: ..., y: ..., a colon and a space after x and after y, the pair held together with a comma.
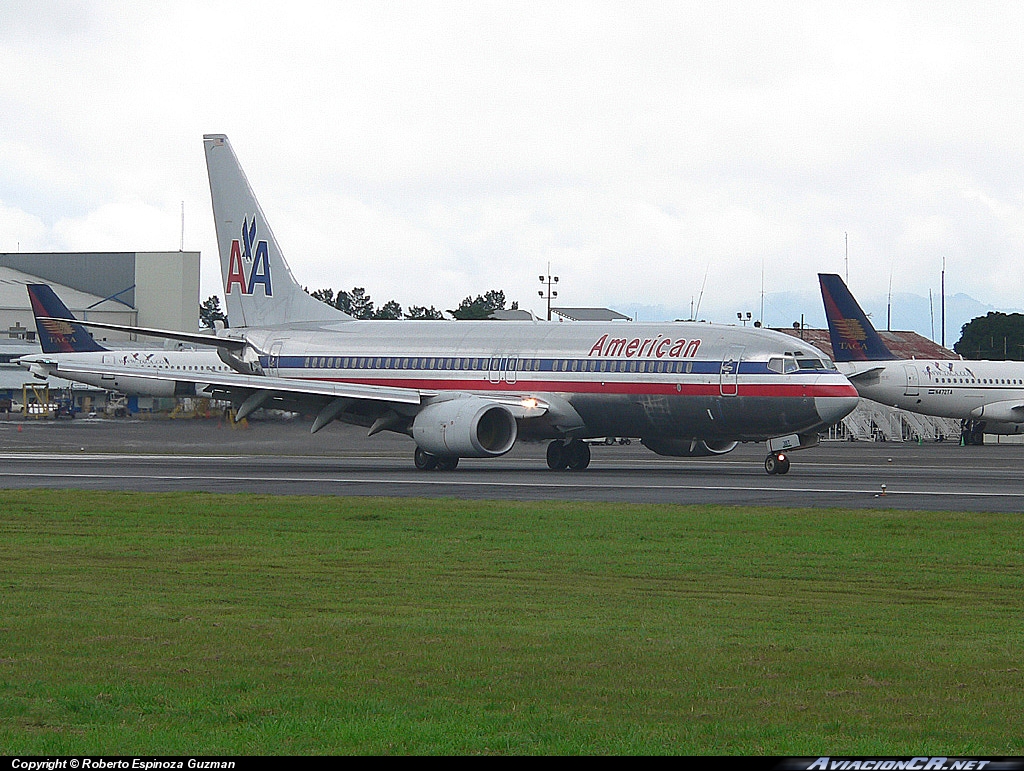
x: 833, y: 408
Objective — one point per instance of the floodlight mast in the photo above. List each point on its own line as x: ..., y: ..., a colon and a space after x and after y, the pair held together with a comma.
x: 548, y: 280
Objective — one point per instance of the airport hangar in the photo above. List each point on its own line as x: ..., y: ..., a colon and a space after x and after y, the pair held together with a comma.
x: 147, y: 289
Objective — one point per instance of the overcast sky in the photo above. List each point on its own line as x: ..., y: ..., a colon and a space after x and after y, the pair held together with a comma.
x: 428, y: 151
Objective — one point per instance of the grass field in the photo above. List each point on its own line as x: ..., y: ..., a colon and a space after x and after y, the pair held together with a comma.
x: 204, y: 624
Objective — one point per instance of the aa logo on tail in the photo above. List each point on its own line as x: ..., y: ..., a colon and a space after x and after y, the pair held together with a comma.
x: 249, y: 255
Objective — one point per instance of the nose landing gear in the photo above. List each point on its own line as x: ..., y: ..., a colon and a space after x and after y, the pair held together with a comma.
x: 776, y: 463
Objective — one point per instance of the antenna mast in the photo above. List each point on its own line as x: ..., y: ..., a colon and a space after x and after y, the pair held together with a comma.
x: 931, y: 311
x: 888, y: 312
x: 701, y: 295
x: 761, y: 316
x: 943, y: 302
x: 847, y: 237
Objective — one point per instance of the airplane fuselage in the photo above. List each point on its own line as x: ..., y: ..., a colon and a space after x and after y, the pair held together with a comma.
x: 674, y: 380
x: 181, y: 361
x: 992, y: 391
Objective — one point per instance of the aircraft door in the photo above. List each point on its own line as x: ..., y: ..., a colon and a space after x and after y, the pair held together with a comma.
x: 274, y: 360
x: 502, y: 368
x: 913, y: 383
x: 730, y: 373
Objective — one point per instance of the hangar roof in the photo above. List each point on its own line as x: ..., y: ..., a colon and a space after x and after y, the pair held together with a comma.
x: 14, y: 295
x: 590, y: 314
x: 904, y: 345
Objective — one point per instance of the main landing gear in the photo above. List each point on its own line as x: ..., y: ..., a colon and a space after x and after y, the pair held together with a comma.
x: 972, y: 432
x: 425, y: 461
x: 776, y: 463
x: 574, y: 456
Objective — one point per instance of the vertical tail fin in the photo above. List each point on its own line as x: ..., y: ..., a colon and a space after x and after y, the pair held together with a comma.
x: 853, y: 337
x: 259, y: 288
x: 58, y: 336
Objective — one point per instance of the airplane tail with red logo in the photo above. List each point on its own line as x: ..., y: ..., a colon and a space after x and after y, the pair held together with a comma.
x: 59, y: 330
x: 259, y: 288
x: 853, y: 337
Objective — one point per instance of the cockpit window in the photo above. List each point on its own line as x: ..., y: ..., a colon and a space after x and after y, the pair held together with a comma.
x: 782, y: 365
x: 807, y: 363
x: 804, y: 363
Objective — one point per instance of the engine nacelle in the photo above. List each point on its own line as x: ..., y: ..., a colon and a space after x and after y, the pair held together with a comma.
x: 468, y: 427
x: 687, y: 448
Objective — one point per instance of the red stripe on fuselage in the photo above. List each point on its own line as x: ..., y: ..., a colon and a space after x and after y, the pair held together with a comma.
x: 776, y: 390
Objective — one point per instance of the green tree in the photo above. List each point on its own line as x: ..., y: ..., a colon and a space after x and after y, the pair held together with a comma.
x: 359, y: 303
x: 324, y: 296
x: 389, y: 310
x: 210, y: 312
x: 481, y: 307
x: 993, y: 336
x: 421, y: 312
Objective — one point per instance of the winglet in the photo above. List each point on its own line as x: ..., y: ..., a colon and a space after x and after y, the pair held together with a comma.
x: 55, y: 334
x: 853, y: 337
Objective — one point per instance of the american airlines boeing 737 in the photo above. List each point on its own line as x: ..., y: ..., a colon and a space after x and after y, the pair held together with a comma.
x: 472, y: 389
x: 987, y: 396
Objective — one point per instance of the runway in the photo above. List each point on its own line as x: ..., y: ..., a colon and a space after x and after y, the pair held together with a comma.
x: 281, y: 458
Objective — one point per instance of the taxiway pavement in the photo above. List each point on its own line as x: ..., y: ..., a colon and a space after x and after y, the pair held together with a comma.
x: 281, y: 457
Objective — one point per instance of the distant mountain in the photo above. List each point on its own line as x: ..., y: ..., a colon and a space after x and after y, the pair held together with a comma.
x: 782, y: 309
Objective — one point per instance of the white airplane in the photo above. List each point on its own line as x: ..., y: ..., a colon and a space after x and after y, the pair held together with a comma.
x: 68, y: 347
x: 988, y: 396
x: 472, y: 389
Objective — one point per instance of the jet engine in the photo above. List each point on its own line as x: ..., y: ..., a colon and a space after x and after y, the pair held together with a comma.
x: 687, y: 448
x: 467, y: 428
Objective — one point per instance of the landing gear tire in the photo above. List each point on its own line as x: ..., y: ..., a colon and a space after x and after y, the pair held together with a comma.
x: 578, y: 455
x: 447, y: 462
x: 558, y: 459
x: 776, y: 463
x: 424, y: 460
x: 972, y: 432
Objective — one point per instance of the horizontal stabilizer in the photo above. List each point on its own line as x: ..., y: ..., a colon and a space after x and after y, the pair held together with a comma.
x: 867, y: 374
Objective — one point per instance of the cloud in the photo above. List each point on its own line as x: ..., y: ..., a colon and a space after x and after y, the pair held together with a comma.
x: 435, y: 150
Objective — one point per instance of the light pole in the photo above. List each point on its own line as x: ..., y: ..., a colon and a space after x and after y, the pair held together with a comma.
x: 548, y: 280
x: 741, y: 318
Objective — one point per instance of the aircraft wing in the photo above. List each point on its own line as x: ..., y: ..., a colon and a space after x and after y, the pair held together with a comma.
x: 330, y: 398
x: 196, y: 338
x: 230, y: 381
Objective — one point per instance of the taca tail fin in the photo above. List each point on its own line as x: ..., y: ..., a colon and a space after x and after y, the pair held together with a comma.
x: 853, y: 337
x: 55, y: 334
x: 259, y: 288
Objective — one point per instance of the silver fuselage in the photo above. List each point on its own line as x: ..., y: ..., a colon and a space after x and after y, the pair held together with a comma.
x: 680, y: 379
